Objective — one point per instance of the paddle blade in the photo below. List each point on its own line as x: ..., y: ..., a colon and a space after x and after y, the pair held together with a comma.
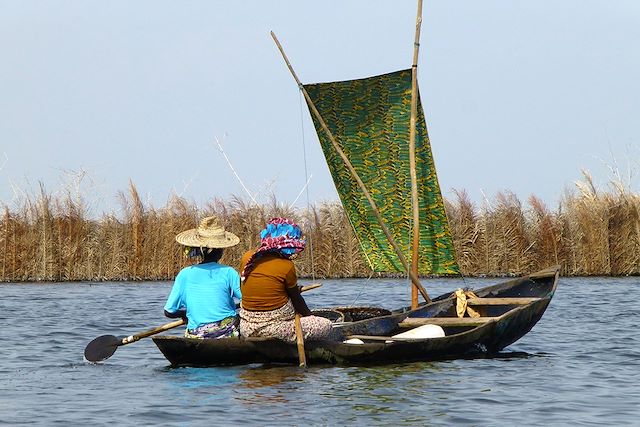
x: 101, y: 348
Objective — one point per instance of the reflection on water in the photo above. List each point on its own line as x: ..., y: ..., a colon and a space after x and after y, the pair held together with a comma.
x: 258, y: 377
x: 515, y: 355
x: 575, y: 367
x: 260, y: 386
x: 201, y: 379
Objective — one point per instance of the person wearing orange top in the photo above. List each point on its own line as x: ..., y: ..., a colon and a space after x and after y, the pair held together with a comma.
x: 270, y: 293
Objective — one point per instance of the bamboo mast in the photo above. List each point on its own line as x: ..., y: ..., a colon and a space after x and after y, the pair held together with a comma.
x: 354, y: 173
x: 412, y: 158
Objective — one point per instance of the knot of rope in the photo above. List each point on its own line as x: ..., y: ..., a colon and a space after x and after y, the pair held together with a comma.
x: 461, y: 303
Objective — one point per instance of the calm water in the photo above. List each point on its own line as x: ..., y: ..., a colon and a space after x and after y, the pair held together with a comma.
x: 580, y: 366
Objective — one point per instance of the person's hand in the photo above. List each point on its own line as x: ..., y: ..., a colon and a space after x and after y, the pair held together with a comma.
x: 183, y: 315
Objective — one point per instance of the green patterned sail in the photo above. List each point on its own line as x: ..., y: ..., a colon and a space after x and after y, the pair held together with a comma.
x: 369, y: 118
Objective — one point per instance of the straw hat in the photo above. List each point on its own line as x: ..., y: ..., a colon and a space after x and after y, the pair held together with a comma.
x: 209, y: 234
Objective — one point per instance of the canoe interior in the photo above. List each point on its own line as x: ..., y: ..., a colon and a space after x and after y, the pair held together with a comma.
x: 502, y: 322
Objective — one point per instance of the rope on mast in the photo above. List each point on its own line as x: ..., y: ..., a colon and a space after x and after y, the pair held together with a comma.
x: 307, y: 178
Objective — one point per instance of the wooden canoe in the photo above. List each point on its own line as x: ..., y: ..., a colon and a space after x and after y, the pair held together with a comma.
x: 508, y: 311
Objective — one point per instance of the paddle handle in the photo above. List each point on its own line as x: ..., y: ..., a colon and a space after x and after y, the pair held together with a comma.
x: 302, y: 358
x: 309, y: 287
x: 165, y: 327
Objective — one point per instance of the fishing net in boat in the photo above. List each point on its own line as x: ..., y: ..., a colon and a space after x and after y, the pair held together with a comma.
x: 333, y: 315
x: 351, y: 314
x: 369, y: 118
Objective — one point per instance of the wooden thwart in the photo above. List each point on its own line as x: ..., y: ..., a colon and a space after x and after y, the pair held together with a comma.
x: 411, y: 322
x: 502, y: 301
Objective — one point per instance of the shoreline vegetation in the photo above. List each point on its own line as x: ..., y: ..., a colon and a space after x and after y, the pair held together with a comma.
x: 52, y: 239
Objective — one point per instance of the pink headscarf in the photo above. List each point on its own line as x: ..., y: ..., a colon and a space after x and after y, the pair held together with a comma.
x: 280, y: 235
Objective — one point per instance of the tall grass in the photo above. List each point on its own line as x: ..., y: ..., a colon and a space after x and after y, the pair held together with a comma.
x: 52, y: 238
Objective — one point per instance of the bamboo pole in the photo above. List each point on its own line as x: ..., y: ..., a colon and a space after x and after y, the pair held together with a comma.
x: 412, y: 157
x: 355, y: 175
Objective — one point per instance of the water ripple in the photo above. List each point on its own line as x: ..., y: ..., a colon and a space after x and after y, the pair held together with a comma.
x: 576, y: 367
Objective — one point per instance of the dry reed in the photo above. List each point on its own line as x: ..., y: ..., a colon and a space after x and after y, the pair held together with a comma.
x: 51, y: 238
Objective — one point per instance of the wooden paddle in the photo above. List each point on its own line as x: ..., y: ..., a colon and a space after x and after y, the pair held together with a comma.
x: 104, y: 346
x: 302, y: 358
x: 309, y: 287
x: 300, y: 341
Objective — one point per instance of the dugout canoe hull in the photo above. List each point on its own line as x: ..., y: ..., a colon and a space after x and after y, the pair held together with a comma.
x: 508, y: 310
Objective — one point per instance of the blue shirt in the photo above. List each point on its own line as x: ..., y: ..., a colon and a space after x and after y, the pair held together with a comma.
x: 206, y: 291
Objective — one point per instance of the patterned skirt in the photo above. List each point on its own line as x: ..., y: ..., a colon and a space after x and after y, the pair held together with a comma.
x: 280, y: 323
x: 227, y: 327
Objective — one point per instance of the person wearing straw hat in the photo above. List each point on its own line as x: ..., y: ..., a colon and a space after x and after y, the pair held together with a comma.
x: 203, y: 294
x: 271, y: 296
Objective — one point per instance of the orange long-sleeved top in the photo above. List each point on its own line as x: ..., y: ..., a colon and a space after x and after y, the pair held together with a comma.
x: 264, y: 288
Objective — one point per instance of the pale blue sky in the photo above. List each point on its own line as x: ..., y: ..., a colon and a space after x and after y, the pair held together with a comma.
x: 519, y: 95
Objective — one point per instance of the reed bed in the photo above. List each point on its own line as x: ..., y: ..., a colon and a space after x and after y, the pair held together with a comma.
x: 52, y: 238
